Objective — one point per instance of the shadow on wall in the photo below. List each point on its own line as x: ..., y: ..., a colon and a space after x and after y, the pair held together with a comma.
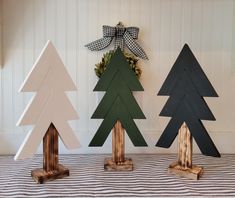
x: 19, y: 19
x: 6, y: 146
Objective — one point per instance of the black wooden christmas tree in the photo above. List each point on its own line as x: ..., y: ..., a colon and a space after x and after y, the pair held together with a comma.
x: 118, y: 108
x: 187, y: 84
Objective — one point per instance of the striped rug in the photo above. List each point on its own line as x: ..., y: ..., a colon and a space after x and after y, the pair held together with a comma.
x: 149, y: 178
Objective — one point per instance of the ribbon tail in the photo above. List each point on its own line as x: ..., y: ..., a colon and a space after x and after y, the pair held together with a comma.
x: 99, y: 44
x: 134, y: 47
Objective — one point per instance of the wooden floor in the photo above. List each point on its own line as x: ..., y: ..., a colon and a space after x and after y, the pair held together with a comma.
x: 149, y: 178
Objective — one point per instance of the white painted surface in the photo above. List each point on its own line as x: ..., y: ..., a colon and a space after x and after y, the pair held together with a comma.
x: 50, y: 80
x: 165, y: 25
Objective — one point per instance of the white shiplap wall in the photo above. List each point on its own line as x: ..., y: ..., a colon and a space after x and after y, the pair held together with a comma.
x: 165, y: 25
x: 1, y: 33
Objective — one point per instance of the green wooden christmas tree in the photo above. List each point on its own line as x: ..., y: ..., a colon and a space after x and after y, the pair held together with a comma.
x: 118, y: 108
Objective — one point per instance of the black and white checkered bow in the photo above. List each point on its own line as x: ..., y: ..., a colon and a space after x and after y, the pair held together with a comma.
x: 122, y: 36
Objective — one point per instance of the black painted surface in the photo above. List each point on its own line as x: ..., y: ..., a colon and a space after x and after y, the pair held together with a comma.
x: 187, y: 84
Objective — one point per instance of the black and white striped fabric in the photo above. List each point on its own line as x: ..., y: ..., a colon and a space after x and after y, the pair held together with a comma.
x: 149, y: 178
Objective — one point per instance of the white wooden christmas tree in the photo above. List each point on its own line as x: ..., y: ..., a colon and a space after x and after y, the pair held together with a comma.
x: 49, y: 110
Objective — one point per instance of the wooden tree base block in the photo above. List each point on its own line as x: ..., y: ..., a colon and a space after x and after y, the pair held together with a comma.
x: 41, y: 176
x: 192, y: 173
x: 110, y: 165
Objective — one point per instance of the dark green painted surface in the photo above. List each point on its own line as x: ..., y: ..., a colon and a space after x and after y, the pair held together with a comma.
x: 118, y: 63
x: 118, y: 111
x: 117, y: 88
x: 118, y: 103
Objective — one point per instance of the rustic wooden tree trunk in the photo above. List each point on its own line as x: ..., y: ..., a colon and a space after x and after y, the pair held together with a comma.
x: 118, y: 161
x: 118, y: 138
x: 51, y: 167
x: 50, y: 149
x: 183, y: 167
x: 185, y: 147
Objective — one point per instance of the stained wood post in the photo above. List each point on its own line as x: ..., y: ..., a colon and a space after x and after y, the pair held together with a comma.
x: 118, y: 162
x: 184, y: 167
x: 50, y: 149
x: 51, y: 167
x: 118, y: 143
x: 185, y: 147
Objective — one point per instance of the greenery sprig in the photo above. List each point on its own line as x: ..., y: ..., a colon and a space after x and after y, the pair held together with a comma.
x: 131, y: 59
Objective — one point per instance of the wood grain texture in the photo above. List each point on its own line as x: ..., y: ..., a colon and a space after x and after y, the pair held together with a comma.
x: 207, y: 25
x: 184, y: 167
x: 51, y: 168
x: 126, y: 165
x: 118, y: 162
x: 185, y: 147
x: 118, y: 143
x: 41, y: 176
x: 50, y: 149
x: 195, y: 172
